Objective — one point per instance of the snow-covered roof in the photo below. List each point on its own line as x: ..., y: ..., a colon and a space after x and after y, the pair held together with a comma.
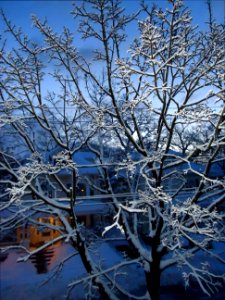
x: 84, y: 159
x: 216, y: 170
x: 85, y: 162
x: 82, y: 207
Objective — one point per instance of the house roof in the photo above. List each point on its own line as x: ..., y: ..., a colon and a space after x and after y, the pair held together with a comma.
x: 86, y: 163
x: 216, y: 170
x: 82, y: 207
x: 84, y: 160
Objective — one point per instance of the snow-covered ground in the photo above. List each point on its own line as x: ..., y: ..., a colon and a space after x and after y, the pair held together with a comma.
x: 21, y: 281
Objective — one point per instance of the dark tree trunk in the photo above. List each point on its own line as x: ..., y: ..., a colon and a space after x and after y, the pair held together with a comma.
x: 81, y: 246
x: 82, y: 249
x: 153, y: 278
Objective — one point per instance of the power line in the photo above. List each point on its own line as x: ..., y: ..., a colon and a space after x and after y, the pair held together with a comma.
x: 186, y: 192
x: 46, y: 110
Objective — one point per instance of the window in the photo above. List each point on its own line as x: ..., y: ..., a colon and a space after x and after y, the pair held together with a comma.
x: 81, y: 220
x: 46, y: 233
x: 81, y: 189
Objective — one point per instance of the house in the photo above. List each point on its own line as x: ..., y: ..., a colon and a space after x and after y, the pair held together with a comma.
x: 87, y: 175
x: 90, y: 209
x: 189, y: 174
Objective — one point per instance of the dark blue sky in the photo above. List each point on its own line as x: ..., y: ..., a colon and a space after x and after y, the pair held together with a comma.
x: 58, y: 15
x: 58, y: 12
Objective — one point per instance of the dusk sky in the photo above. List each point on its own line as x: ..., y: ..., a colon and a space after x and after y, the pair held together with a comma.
x: 58, y: 13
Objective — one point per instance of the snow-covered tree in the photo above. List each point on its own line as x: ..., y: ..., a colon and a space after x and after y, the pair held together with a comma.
x: 140, y: 107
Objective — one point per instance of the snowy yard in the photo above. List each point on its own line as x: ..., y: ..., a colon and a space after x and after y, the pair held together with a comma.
x: 21, y: 281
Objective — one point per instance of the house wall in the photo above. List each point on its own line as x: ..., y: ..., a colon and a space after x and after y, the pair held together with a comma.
x: 83, y: 188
